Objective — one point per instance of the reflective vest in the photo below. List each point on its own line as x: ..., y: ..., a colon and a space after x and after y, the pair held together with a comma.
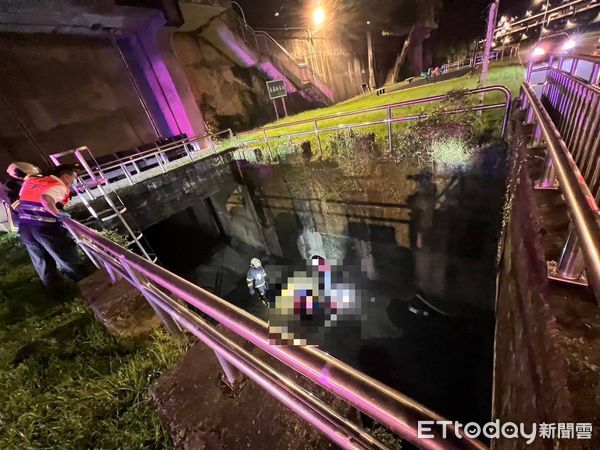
x: 30, y: 208
x: 257, y: 279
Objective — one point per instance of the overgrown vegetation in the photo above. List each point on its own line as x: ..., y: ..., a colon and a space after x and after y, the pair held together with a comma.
x: 509, y: 75
x: 66, y: 382
x: 453, y: 136
x: 439, y: 141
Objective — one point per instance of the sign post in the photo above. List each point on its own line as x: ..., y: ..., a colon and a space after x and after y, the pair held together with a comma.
x: 277, y: 90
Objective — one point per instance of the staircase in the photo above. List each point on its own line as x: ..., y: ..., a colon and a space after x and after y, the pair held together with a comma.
x: 250, y: 48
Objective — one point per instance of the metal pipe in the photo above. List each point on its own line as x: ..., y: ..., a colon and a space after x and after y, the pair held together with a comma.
x: 580, y: 201
x: 387, y: 406
x: 571, y: 264
x: 167, y: 321
x: 138, y: 92
x: 339, y: 429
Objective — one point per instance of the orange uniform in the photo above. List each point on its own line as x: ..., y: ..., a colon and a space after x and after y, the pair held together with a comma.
x: 30, y: 208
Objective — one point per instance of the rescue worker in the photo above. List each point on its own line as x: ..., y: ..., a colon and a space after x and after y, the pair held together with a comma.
x: 9, y: 189
x: 257, y: 280
x: 40, y: 211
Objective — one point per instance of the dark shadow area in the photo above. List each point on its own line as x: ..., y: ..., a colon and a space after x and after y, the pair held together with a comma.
x: 428, y: 280
x: 187, y: 238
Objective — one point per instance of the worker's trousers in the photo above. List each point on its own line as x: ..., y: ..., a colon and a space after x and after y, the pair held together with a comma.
x: 49, y: 245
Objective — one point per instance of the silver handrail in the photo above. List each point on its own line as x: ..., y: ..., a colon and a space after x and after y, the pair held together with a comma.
x: 389, y: 120
x: 156, y: 154
x: 582, y: 205
x: 587, y: 5
x: 264, y: 43
x: 387, y: 406
x: 557, y: 61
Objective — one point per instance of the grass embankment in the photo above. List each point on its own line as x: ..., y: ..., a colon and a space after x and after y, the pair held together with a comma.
x: 509, y: 75
x: 64, y: 381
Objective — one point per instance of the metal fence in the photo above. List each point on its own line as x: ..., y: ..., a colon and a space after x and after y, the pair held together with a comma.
x: 567, y: 121
x: 267, y: 135
x: 585, y: 68
x: 171, y: 296
x: 562, y: 11
x: 128, y: 170
x: 265, y: 44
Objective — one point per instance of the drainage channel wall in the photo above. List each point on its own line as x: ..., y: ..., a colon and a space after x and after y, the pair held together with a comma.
x: 547, y: 349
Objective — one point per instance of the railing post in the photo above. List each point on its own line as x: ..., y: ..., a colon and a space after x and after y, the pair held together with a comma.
x: 548, y: 180
x: 111, y: 273
x: 167, y: 320
x: 318, y: 138
x: 529, y: 114
x: 267, y: 142
x: 232, y: 375
x: 529, y: 69
x: 160, y: 163
x: 126, y: 172
x: 571, y: 267
x: 389, y: 123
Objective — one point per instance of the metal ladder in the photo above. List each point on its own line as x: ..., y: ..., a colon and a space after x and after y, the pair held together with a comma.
x: 114, y: 216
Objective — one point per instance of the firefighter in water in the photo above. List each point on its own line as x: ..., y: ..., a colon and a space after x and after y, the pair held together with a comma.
x: 10, y: 188
x: 257, y: 280
x: 40, y: 213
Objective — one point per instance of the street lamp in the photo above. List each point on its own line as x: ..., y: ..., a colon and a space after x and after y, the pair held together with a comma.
x: 318, y: 16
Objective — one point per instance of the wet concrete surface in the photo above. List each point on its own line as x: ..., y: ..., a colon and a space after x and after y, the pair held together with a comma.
x: 201, y: 412
x: 407, y: 233
x: 118, y: 306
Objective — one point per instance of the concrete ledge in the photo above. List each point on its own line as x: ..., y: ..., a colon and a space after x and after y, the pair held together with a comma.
x: 119, y: 306
x: 200, y: 412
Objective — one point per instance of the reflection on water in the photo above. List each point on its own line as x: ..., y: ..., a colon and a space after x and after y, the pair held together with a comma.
x: 423, y: 247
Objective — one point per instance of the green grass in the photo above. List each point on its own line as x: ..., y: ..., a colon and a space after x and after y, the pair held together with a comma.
x: 509, y: 75
x: 66, y: 382
x: 487, y: 123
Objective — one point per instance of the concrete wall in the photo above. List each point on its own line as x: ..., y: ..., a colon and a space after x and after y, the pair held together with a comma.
x: 547, y: 357
x: 65, y: 91
x: 333, y: 58
x: 228, y: 95
x: 286, y: 210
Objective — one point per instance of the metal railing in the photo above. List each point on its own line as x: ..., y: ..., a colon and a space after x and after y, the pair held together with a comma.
x: 265, y: 44
x: 132, y: 168
x: 545, y: 17
x: 569, y: 131
x: 170, y: 296
x: 586, y: 68
x: 143, y: 164
x: 265, y: 134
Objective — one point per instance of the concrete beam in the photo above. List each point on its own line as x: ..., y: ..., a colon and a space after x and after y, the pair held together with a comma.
x: 64, y: 17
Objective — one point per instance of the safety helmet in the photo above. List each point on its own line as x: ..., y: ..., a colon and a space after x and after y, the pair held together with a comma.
x: 317, y: 260
x: 21, y: 170
x: 255, y: 262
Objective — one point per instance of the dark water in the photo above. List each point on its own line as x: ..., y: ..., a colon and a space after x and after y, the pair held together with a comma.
x: 420, y: 248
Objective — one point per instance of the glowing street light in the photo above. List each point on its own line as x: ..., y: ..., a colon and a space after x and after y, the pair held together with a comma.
x: 539, y: 51
x: 318, y: 16
x: 569, y: 45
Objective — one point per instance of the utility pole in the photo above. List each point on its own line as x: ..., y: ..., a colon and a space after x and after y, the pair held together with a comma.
x: 370, y: 58
x: 489, y: 39
x: 546, y: 6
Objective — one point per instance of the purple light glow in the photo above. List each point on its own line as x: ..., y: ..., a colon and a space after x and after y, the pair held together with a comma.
x: 159, y: 79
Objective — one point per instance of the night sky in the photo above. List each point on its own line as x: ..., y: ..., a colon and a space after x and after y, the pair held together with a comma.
x: 459, y: 20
